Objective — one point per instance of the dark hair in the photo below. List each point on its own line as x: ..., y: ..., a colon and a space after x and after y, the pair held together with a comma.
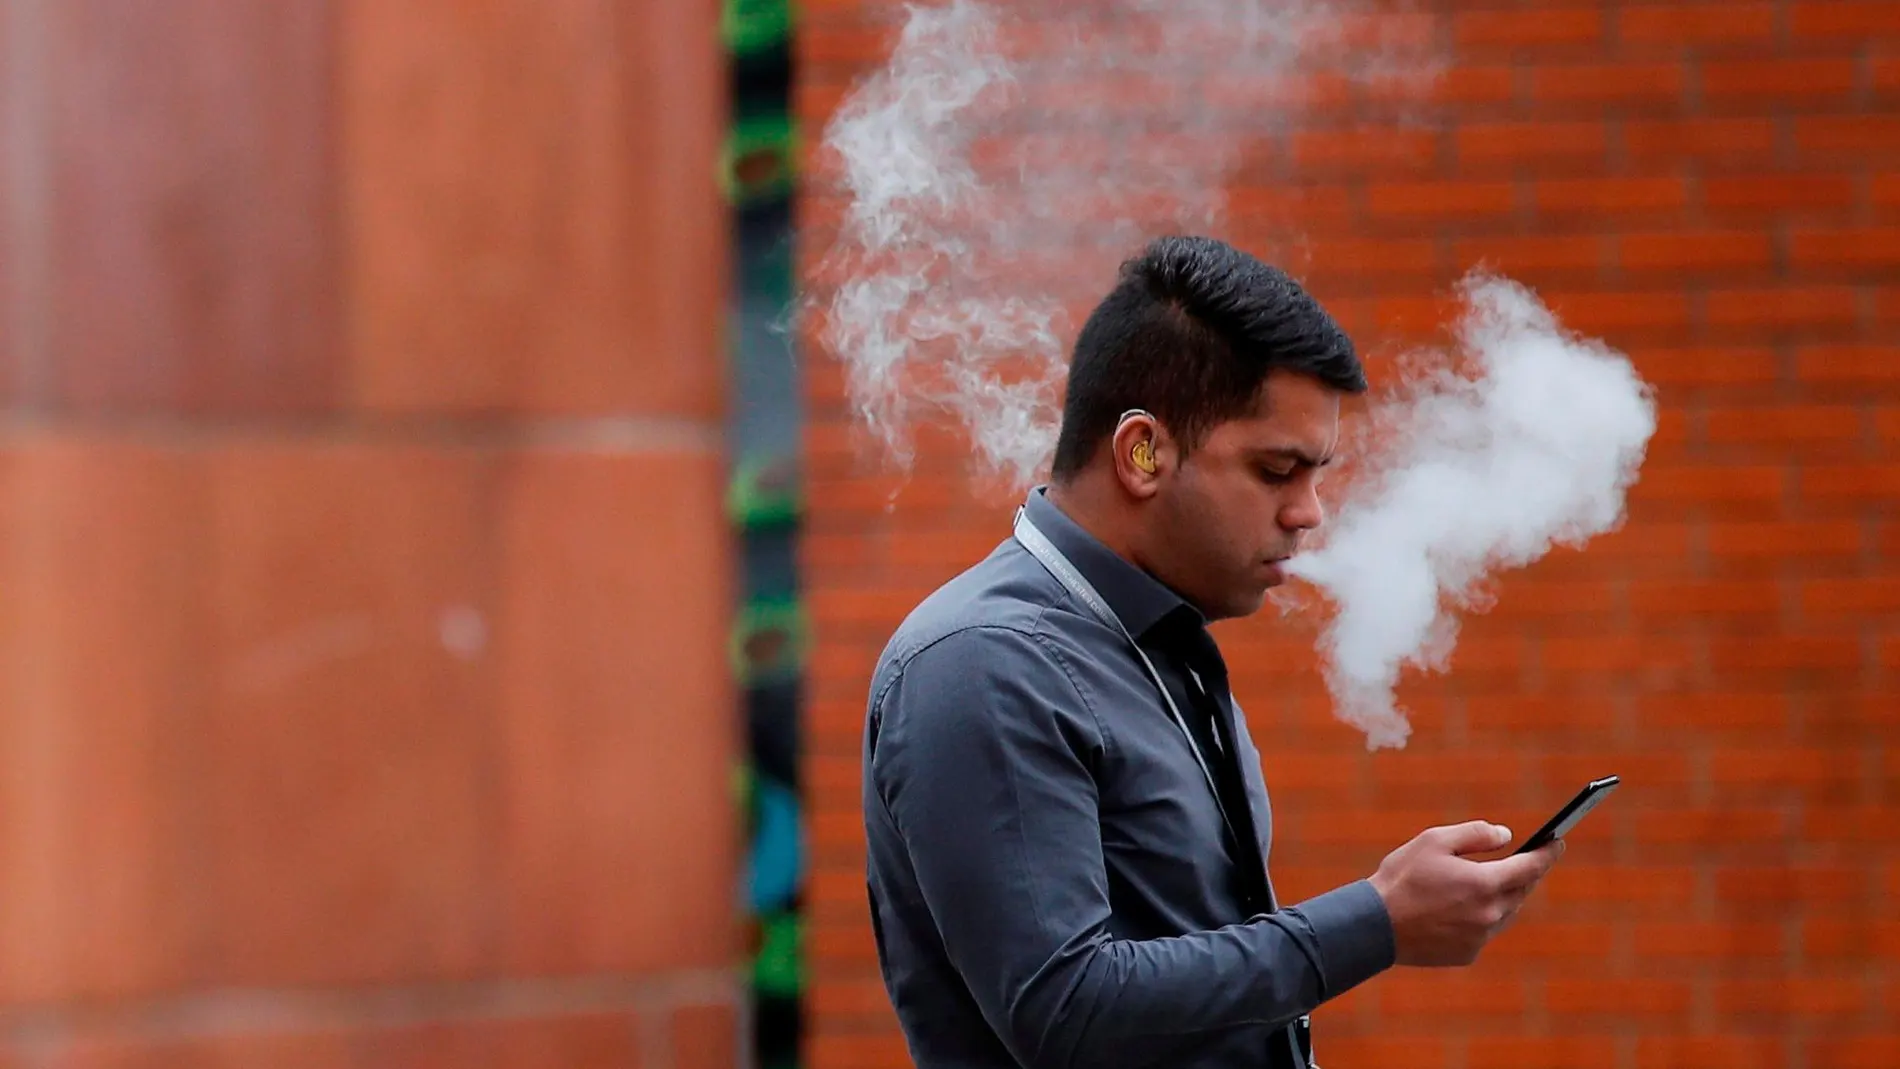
x: 1189, y: 333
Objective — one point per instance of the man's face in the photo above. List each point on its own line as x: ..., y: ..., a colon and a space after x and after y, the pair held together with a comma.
x: 1241, y: 501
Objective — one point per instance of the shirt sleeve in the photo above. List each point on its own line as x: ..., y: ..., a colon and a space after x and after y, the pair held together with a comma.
x: 983, y: 759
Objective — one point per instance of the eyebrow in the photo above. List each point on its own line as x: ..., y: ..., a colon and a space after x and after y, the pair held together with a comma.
x: 1300, y: 455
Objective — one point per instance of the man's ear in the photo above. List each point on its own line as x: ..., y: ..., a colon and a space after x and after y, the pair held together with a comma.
x: 1140, y: 453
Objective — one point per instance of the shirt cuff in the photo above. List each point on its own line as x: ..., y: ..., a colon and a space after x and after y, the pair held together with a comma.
x: 1353, y: 933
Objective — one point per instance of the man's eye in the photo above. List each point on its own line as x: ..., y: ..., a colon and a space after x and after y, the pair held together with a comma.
x: 1269, y: 475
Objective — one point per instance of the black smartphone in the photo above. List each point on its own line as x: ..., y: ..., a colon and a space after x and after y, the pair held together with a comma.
x: 1567, y: 817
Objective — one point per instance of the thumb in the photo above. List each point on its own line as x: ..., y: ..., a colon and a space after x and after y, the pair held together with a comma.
x: 1475, y: 837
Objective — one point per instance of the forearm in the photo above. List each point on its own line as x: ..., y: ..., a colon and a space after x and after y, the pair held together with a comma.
x: 1163, y: 994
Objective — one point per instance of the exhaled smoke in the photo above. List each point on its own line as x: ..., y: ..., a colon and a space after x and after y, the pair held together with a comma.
x: 1532, y: 443
x: 993, y: 171
x: 986, y: 181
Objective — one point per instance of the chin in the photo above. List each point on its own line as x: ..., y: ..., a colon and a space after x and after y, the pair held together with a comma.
x: 1243, y: 605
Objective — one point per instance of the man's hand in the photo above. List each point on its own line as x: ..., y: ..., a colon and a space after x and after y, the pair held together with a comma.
x: 1445, y: 907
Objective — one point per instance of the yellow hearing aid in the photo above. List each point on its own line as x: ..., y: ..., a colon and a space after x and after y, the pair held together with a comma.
x: 1143, y: 455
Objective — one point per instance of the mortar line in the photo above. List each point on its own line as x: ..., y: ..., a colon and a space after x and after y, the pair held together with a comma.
x: 268, y: 1010
x: 604, y: 434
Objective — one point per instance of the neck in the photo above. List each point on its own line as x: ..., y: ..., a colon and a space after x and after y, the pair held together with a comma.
x: 1098, y: 509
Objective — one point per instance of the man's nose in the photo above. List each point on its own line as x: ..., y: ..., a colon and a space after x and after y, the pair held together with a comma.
x: 1304, y: 512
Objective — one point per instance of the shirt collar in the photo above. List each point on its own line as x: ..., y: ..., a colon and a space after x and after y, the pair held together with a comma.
x: 1139, y: 599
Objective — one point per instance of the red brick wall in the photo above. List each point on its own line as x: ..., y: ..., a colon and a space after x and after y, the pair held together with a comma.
x: 1714, y: 188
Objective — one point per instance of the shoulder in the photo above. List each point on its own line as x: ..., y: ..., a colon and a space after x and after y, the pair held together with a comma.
x: 999, y: 607
x: 999, y: 636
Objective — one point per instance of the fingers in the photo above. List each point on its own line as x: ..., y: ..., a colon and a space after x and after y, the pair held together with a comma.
x: 1520, y: 872
x: 1471, y: 837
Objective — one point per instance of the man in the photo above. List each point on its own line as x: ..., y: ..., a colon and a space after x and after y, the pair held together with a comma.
x: 1066, y: 820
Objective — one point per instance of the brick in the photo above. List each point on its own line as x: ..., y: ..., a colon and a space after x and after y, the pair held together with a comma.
x: 1797, y: 194
x: 838, y: 997
x: 1514, y: 32
x: 1348, y: 261
x: 1710, y: 484
x: 1856, y: 137
x: 1575, y: 882
x: 1398, y: 31
x: 1420, y: 1050
x: 1694, y: 597
x: 1655, y: 770
x: 1834, y: 482
x: 1614, y: 653
x: 1710, y: 1052
x: 1848, y: 364
x: 1710, y: 941
x: 1575, y: 944
x: 879, y: 1050
x: 1862, y: 595
x: 1307, y: 774
x: 1784, y: 652
x: 1675, y: 26
x: 826, y: 786
x: 1374, y: 149
x: 1533, y: 143
x: 1649, y: 84
x: 833, y: 943
x: 1540, y: 255
x: 1471, y: 87
x: 1782, y: 767
x: 1790, y: 884
x: 1467, y: 997
x: 1545, y: 1052
x: 1651, y: 142
x: 1708, y: 252
x: 1622, y: 997
x: 1785, y: 538
x: 874, y: 496
x: 1744, y: 714
x: 826, y: 44
x: 1538, y: 714
x: 1812, y: 250
x: 1857, y: 824
x: 1885, y: 75
x: 1707, y: 367
x: 1833, y: 938
x: 1635, y: 542
x: 1439, y: 200
x: 1808, y: 996
x: 1610, y: 197
x: 1308, y: 207
x: 1693, y: 828
x: 1777, y: 79
x: 1574, y: 600
x: 1448, y: 770
x: 1774, y: 425
x: 1616, y: 313
x: 1785, y: 308
x: 1854, y: 20
x: 1382, y: 829
x: 1857, y: 1052
x: 1849, y: 718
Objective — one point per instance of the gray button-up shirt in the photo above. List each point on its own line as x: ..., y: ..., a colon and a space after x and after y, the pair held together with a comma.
x: 1048, y: 876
